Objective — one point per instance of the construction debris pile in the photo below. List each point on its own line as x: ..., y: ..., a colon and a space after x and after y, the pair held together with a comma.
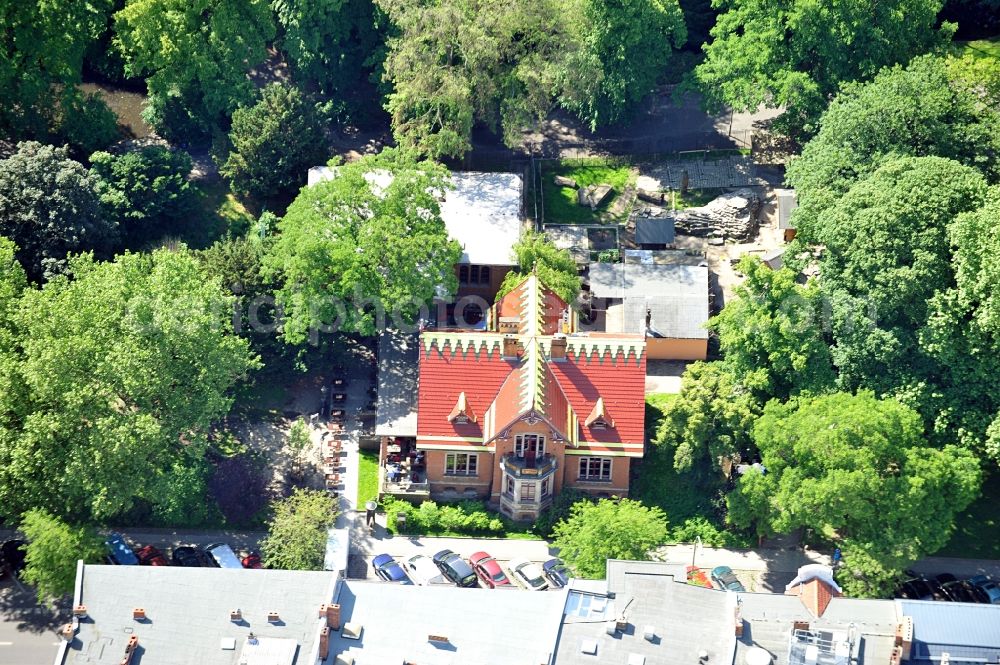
x: 731, y: 215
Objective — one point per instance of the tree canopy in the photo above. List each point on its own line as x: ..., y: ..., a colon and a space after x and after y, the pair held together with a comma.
x: 795, y: 53
x: 53, y: 548
x: 555, y: 267
x: 119, y: 373
x: 858, y: 471
x: 146, y: 192
x: 49, y: 207
x: 362, y: 245
x: 296, y: 535
x: 274, y: 142
x: 195, y: 52
x: 608, y: 529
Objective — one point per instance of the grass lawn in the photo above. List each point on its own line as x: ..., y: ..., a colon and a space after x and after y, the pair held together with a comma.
x: 367, y: 477
x: 220, y: 212
x: 977, y: 530
x: 560, y: 202
x: 694, y: 198
x: 980, y: 48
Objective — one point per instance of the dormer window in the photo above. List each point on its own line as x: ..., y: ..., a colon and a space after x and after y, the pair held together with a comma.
x: 598, y: 418
x: 461, y: 413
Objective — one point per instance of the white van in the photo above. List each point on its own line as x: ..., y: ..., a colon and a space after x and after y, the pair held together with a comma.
x: 423, y: 571
x: 224, y: 555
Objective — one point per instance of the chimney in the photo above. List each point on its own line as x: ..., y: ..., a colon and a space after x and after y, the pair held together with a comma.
x: 139, y: 614
x: 67, y: 632
x: 511, y: 346
x: 333, y: 616
x: 558, y: 349
x: 130, y: 648
x: 272, y: 617
x: 80, y: 611
x: 904, y: 636
x: 236, y: 615
x: 324, y: 643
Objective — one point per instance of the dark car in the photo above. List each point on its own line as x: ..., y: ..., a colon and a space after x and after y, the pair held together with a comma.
x: 150, y: 556
x: 119, y: 552
x: 945, y: 578
x: 557, y: 572
x: 12, y: 555
x: 962, y: 591
x: 489, y: 570
x: 455, y: 568
x: 390, y: 571
x: 252, y: 560
x: 192, y: 557
x: 988, y: 587
x: 726, y: 579
x: 919, y: 588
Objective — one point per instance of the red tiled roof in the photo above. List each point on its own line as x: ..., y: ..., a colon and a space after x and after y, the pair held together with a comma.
x: 564, y: 392
x: 815, y: 595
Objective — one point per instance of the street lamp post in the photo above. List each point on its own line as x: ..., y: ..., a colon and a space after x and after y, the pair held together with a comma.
x: 694, y: 550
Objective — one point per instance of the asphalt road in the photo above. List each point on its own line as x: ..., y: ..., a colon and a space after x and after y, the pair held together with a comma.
x: 27, y: 630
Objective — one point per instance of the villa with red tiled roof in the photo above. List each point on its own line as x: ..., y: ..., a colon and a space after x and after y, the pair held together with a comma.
x: 515, y: 413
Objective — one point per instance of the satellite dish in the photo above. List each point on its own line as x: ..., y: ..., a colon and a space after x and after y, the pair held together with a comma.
x: 757, y: 656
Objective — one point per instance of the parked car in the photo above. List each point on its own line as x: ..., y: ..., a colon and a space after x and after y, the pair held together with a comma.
x: 919, y: 588
x: 556, y: 572
x: 423, y: 571
x: 119, y: 552
x: 726, y: 579
x: 455, y: 568
x: 224, y: 555
x: 962, y: 591
x: 988, y: 587
x: 252, y: 560
x: 945, y: 578
x: 488, y: 570
x: 12, y: 555
x: 192, y: 557
x: 390, y: 571
x: 529, y: 574
x: 150, y: 556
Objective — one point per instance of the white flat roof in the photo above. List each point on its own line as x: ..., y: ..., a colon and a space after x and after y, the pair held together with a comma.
x: 482, y: 212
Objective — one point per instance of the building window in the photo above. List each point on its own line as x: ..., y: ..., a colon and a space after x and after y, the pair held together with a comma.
x: 460, y: 464
x: 463, y: 274
x: 484, y: 275
x: 595, y: 468
x: 545, y: 487
x: 510, y: 486
x: 527, y: 491
x: 533, y: 443
x: 469, y: 274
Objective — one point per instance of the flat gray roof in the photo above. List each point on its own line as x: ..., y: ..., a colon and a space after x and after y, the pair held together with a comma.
x: 675, y: 295
x: 188, y: 613
x: 970, y: 633
x: 482, y: 626
x: 786, y: 203
x: 572, y: 238
x: 654, y: 230
x: 396, y: 406
x: 685, y: 620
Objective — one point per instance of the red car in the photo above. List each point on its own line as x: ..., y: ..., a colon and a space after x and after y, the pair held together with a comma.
x: 252, y: 560
x: 488, y: 570
x: 150, y: 556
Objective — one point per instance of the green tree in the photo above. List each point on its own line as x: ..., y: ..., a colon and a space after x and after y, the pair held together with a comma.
x: 296, y: 535
x: 856, y: 470
x: 795, y: 53
x: 121, y: 372
x: 554, y: 267
x: 709, y: 421
x: 41, y: 54
x: 608, y: 529
x: 886, y: 254
x: 627, y: 47
x: 358, y: 246
x: 930, y: 108
x: 53, y: 549
x: 274, y: 142
x: 963, y: 331
x: 453, y: 64
x: 771, y: 333
x: 195, y: 53
x: 146, y: 191
x: 85, y: 122
x: 49, y: 207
